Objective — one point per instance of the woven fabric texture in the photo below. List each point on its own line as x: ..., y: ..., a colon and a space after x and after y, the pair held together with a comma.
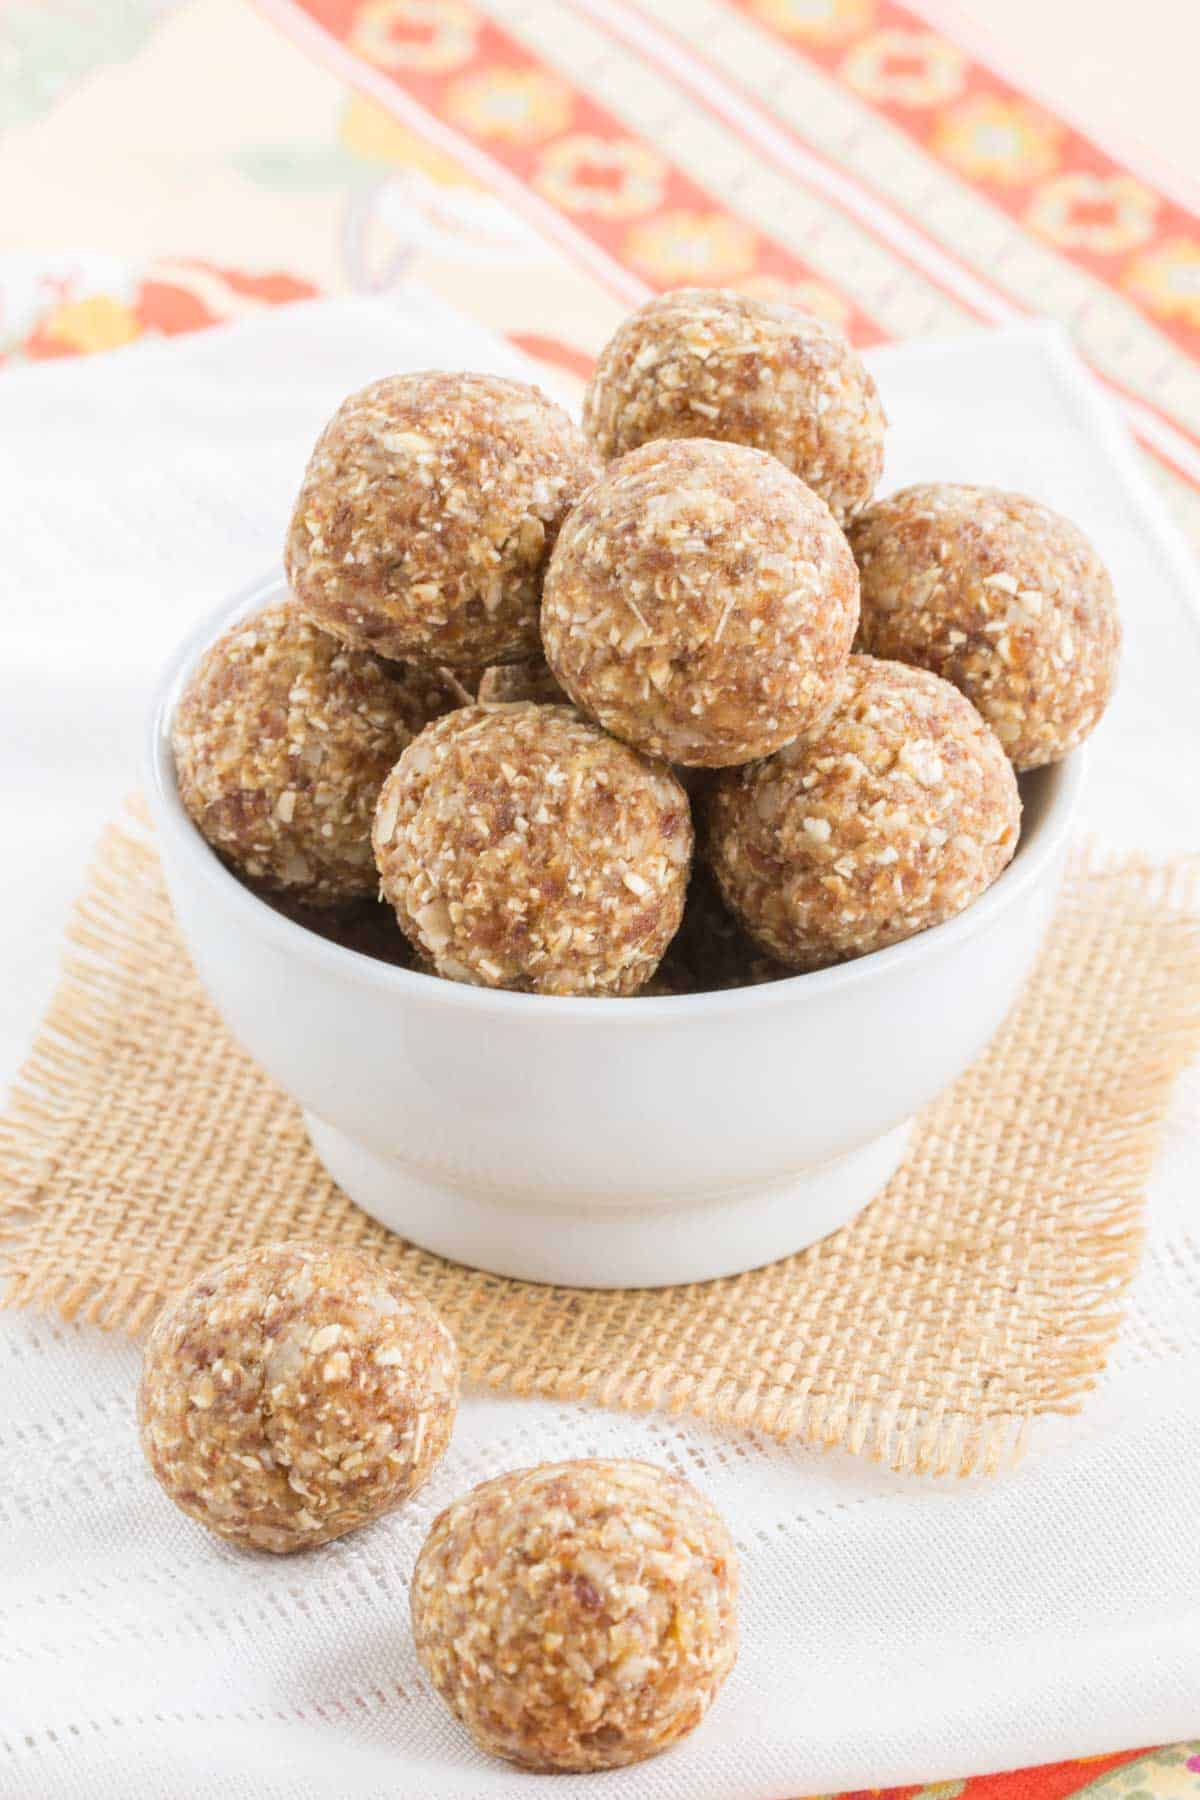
x: 981, y: 1290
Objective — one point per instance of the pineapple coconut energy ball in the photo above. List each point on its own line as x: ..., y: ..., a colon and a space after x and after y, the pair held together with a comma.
x: 699, y: 363
x: 428, y: 509
x: 700, y: 603
x: 282, y: 740
x: 523, y: 848
x: 577, y: 1615
x: 892, y: 816
x: 1003, y: 597
x: 293, y: 1393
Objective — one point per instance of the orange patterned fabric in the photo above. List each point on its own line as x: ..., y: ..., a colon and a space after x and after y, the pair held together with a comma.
x: 1058, y: 226
x: 1041, y: 171
x: 1131, y: 1775
x: 617, y: 201
x: 852, y: 153
x: 1050, y: 1781
x: 165, y: 299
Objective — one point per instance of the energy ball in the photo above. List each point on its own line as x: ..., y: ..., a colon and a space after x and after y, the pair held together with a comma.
x: 700, y: 603
x: 291, y: 1394
x: 702, y: 363
x: 282, y: 739
x: 893, y: 816
x: 522, y: 848
x: 577, y: 1615
x: 428, y: 509
x: 999, y: 595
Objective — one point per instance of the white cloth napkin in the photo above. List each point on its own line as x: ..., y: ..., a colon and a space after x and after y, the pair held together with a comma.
x: 893, y: 1630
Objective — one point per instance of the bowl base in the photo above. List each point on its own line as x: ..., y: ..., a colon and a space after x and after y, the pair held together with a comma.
x: 598, y: 1244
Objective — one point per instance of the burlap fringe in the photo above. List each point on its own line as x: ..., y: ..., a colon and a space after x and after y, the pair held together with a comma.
x: 982, y: 1290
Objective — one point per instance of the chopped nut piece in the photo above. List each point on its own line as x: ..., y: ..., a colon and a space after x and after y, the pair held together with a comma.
x: 525, y: 849
x: 427, y: 512
x: 745, y: 595
x: 282, y: 739
x: 702, y: 363
x: 577, y: 1615
x: 891, y: 817
x: 530, y: 680
x: 999, y: 595
x: 289, y: 1445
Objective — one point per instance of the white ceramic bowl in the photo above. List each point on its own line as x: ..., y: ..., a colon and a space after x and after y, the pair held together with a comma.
x: 605, y: 1143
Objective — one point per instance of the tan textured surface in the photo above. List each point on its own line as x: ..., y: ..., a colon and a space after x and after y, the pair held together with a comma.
x: 1000, y: 595
x: 705, y: 362
x: 890, y: 817
x: 577, y: 1615
x: 981, y: 1290
x: 700, y: 602
x: 427, y: 512
x: 282, y: 741
x: 522, y: 848
x: 293, y: 1392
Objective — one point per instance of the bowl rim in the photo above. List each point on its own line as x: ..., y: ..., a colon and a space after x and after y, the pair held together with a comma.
x: 1036, y: 853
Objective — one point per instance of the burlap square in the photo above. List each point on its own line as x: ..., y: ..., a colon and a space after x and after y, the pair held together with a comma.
x: 981, y: 1290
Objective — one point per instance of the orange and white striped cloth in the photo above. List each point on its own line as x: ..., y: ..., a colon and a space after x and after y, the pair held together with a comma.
x: 858, y: 154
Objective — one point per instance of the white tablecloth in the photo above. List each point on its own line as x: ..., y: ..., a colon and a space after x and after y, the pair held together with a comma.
x: 893, y: 1630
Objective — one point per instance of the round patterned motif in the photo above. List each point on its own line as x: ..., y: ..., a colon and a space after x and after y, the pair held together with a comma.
x: 816, y: 21
x: 515, y: 106
x: 692, y: 249
x: 990, y: 138
x: 906, y: 68
x: 1103, y: 214
x: 425, y: 35
x: 612, y: 178
x: 1168, y: 279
